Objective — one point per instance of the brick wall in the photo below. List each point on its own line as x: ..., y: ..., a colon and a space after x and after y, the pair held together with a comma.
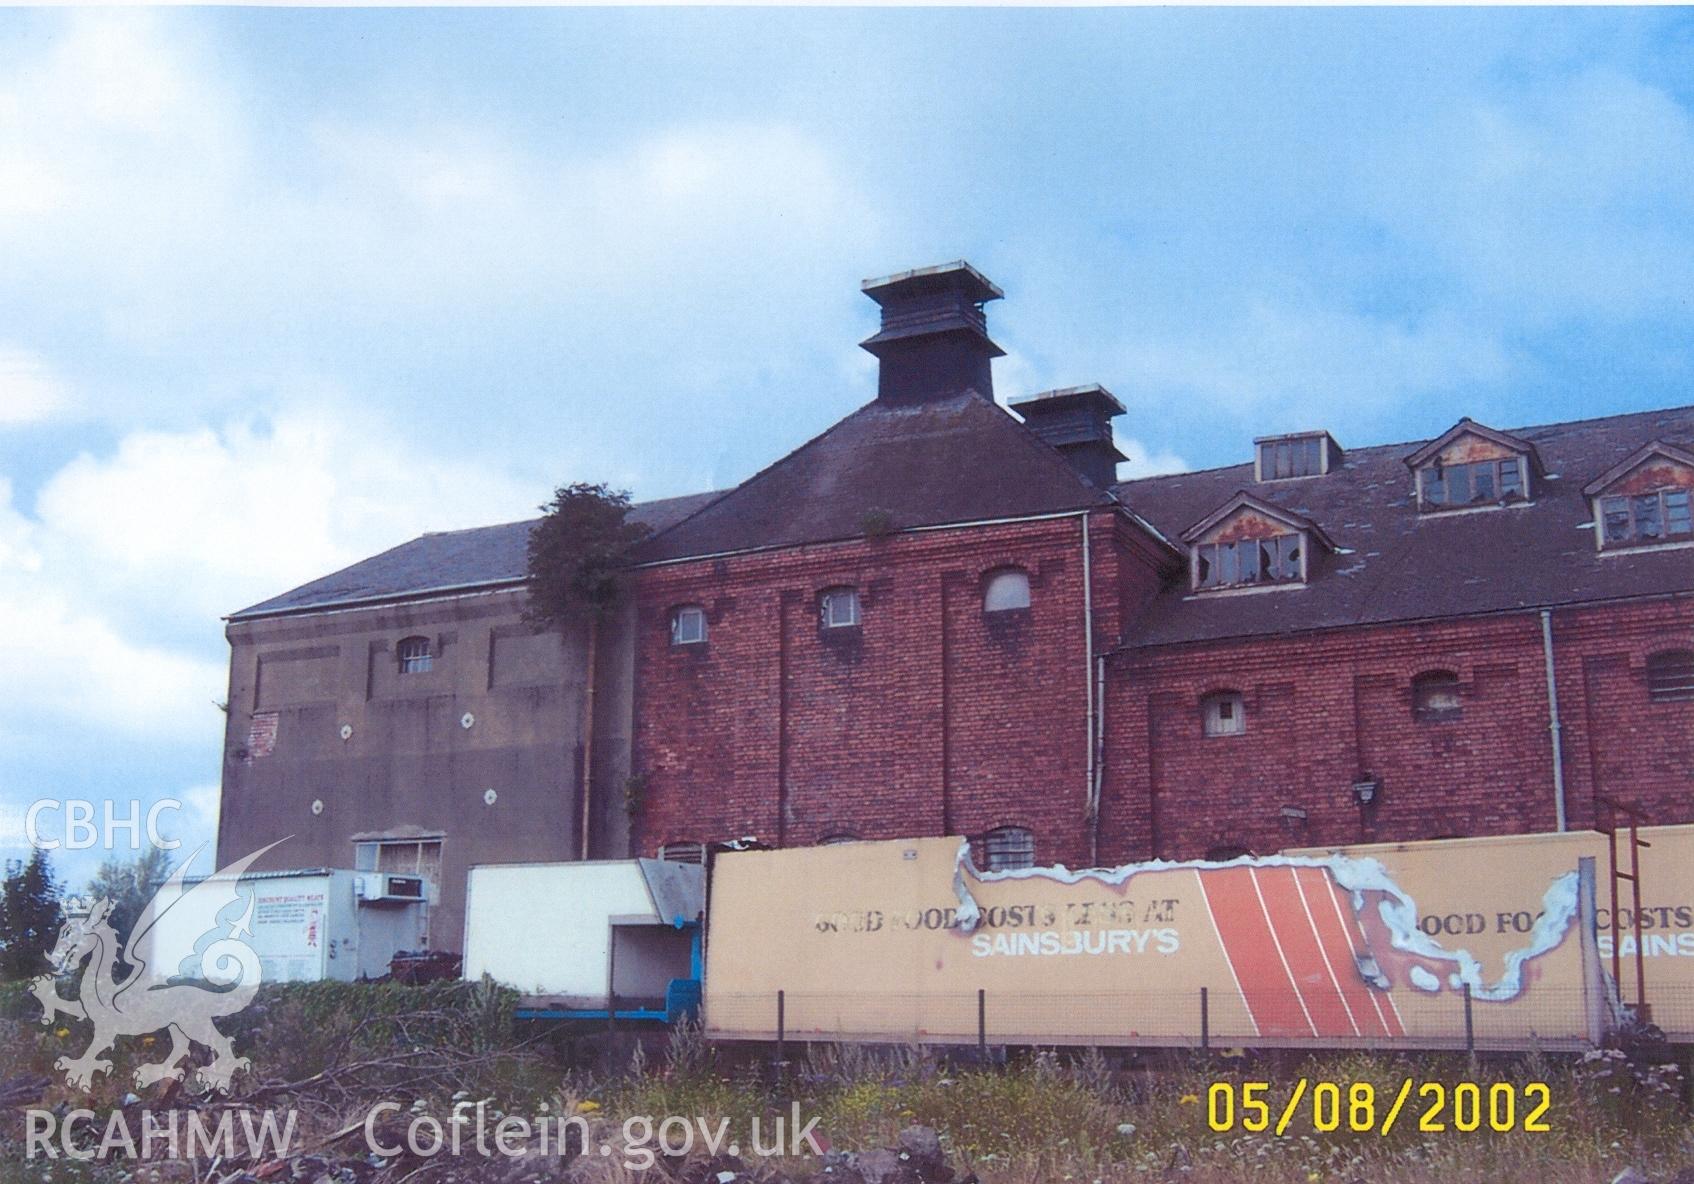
x: 931, y: 718
x: 1325, y: 708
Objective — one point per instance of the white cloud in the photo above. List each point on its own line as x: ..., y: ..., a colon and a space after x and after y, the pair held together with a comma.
x: 1288, y: 368
x: 196, y: 822
x: 1572, y: 200
x: 73, y: 667
x: 1143, y: 461
x: 29, y: 389
x: 111, y: 590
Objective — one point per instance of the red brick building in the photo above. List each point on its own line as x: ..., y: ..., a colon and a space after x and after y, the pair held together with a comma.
x: 1317, y: 646
x: 941, y: 617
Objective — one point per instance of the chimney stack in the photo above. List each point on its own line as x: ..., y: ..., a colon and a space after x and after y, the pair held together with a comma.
x: 1078, y: 422
x: 934, y: 338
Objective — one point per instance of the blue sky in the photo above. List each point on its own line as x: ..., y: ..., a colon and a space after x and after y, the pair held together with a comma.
x: 279, y: 289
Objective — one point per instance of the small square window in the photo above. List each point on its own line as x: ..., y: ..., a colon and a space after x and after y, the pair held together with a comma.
x: 1224, y: 714
x: 1670, y: 676
x: 1006, y: 591
x: 1435, y: 697
x: 1008, y: 848
x: 839, y: 608
x: 688, y: 625
x: 414, y: 655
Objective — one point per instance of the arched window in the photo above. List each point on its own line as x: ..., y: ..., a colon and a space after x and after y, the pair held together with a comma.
x: 1670, y: 675
x: 1006, y: 590
x: 838, y: 608
x: 684, y: 852
x: 414, y: 655
x: 1006, y: 848
x: 1435, y: 697
x: 1223, y: 713
x: 1225, y: 852
x: 836, y: 840
x: 688, y: 625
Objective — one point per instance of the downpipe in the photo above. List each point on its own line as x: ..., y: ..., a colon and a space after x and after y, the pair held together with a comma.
x: 1554, y: 728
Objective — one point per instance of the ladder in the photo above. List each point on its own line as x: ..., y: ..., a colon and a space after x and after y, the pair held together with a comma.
x: 1634, y: 819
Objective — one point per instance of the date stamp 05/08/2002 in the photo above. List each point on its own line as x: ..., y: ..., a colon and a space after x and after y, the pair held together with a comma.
x: 1329, y: 1106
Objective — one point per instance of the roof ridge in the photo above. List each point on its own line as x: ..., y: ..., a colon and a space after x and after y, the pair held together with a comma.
x: 1348, y: 450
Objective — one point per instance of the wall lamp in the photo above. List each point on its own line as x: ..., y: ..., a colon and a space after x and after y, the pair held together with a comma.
x: 1366, y: 790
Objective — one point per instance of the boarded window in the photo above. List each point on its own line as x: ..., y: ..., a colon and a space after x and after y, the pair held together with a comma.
x: 1435, y: 696
x: 411, y: 857
x: 837, y: 840
x: 415, y: 656
x: 1223, y: 714
x: 1670, y: 675
x: 1301, y: 457
x: 685, y: 852
x: 1006, y: 590
x: 688, y: 625
x: 1007, y: 848
x: 838, y: 608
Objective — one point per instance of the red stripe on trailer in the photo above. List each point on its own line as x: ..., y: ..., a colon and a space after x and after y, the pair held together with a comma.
x: 1341, y: 904
x: 1249, y: 943
x: 1320, y: 994
x: 1316, y: 889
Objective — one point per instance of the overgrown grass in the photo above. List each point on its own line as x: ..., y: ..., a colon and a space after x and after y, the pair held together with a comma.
x: 1041, y: 1117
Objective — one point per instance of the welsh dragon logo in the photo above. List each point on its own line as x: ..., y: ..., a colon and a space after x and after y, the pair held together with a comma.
x: 156, y: 995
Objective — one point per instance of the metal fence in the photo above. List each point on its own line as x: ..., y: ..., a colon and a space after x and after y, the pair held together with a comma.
x: 1540, y: 1016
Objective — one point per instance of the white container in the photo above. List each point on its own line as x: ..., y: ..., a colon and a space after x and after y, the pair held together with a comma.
x: 569, y: 935
x: 306, y: 925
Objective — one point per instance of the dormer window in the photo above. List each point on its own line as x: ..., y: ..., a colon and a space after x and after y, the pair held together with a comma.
x: 1250, y: 543
x: 1472, y: 466
x: 1471, y: 484
x: 1646, y: 499
x: 1304, y: 454
x: 1250, y: 561
x: 1647, y: 517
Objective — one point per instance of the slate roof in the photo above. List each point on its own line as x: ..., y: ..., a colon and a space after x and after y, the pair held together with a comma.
x: 960, y: 459
x: 445, y: 561
x: 964, y: 459
x: 1397, y: 565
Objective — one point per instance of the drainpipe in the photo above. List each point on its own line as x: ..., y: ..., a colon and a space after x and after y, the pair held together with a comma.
x: 1088, y: 671
x: 1099, y: 755
x: 1553, y: 726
